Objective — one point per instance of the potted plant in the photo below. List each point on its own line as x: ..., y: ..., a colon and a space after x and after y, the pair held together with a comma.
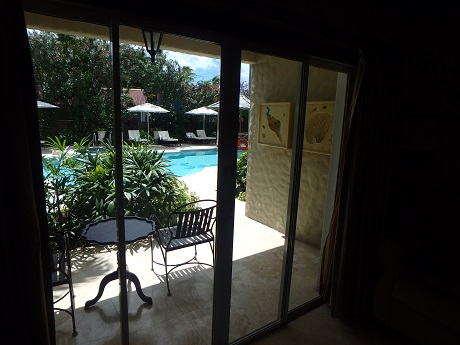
x: 103, y: 122
x: 100, y: 134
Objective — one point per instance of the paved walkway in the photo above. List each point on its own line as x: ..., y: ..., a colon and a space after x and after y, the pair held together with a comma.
x: 203, y: 183
x: 257, y: 266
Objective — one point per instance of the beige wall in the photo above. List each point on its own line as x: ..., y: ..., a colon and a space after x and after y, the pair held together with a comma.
x: 277, y: 80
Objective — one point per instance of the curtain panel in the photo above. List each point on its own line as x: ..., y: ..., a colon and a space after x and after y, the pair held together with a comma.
x: 26, y: 312
x: 350, y: 260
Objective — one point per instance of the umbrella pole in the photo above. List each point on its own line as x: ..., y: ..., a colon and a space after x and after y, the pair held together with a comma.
x: 148, y: 127
x: 204, y: 120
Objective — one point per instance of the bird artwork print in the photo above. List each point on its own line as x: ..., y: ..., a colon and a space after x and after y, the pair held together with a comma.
x: 274, y: 124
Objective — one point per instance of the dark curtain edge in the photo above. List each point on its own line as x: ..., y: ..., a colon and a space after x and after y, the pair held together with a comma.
x: 26, y: 310
x: 328, y: 261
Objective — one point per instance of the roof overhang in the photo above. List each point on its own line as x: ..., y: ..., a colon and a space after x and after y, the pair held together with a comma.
x: 128, y: 35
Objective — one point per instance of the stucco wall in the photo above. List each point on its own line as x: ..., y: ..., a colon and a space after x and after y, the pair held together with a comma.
x: 268, y: 177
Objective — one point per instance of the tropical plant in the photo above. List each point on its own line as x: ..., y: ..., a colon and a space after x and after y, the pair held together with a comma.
x: 241, y: 171
x: 80, y: 185
x: 170, y: 85
x: 74, y: 73
x: 59, y: 186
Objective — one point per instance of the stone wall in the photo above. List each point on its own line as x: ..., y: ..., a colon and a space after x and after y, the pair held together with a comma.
x: 277, y: 80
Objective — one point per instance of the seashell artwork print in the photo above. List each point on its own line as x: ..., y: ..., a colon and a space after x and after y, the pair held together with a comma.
x: 318, y: 127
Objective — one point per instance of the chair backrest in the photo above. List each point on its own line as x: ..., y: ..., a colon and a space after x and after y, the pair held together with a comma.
x: 201, y: 133
x: 164, y: 135
x: 190, y: 135
x: 193, y: 219
x: 134, y: 134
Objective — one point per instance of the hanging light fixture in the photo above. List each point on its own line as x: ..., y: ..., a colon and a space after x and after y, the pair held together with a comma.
x: 152, y: 42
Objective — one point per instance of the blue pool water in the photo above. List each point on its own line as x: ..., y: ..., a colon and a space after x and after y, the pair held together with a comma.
x: 191, y: 161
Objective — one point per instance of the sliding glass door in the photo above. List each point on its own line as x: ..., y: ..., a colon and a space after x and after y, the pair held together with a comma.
x: 294, y: 137
x: 260, y: 217
x: 321, y: 141
x: 277, y: 142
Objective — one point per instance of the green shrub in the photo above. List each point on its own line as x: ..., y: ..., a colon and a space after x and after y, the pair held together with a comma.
x: 80, y: 185
x: 241, y: 171
x: 145, y: 134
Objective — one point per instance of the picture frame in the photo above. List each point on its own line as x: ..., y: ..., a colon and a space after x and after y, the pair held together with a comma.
x: 318, y: 127
x: 275, y: 124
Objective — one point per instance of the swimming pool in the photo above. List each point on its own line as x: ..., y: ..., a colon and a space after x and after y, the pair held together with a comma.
x: 189, y: 162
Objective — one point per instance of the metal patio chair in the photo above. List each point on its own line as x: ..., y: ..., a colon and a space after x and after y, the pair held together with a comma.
x: 61, y: 273
x: 189, y: 225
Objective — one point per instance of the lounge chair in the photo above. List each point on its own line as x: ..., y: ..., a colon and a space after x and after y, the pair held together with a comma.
x: 165, y: 139
x: 135, y: 135
x: 192, y: 138
x: 201, y: 133
x: 156, y: 137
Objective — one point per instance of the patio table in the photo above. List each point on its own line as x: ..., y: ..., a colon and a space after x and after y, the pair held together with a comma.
x: 104, y: 232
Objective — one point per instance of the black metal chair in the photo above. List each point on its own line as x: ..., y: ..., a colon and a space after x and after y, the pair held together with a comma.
x: 189, y: 225
x: 61, y: 272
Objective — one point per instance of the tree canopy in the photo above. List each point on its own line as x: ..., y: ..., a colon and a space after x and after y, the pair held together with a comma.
x: 75, y: 74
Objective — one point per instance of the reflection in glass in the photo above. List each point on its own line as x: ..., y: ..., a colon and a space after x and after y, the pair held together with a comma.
x: 321, y: 129
x: 260, y: 220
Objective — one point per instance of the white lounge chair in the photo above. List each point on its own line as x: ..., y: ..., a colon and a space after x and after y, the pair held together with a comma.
x: 201, y: 133
x: 165, y: 139
x: 156, y: 137
x: 192, y: 138
x: 135, y: 135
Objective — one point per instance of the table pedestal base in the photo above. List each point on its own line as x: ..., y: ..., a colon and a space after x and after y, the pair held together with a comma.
x: 113, y: 276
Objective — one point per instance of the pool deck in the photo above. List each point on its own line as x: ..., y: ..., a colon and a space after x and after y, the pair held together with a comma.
x: 256, y: 262
x: 47, y: 151
x: 183, y: 147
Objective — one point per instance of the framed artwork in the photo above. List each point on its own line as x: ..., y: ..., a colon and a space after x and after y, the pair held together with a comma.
x: 318, y: 127
x: 275, y: 124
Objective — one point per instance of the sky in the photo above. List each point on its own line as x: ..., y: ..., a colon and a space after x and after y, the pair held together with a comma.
x: 205, y: 68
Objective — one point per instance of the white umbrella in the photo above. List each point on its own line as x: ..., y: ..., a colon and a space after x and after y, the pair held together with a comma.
x: 148, y: 108
x: 41, y: 104
x: 202, y: 111
x: 244, y: 103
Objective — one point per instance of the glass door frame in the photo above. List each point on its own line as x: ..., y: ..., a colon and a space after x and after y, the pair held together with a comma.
x: 230, y: 72
x: 285, y: 315
x: 342, y: 102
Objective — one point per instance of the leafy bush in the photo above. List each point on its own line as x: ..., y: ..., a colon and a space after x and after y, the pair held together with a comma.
x: 80, y: 185
x: 241, y: 171
x: 145, y: 135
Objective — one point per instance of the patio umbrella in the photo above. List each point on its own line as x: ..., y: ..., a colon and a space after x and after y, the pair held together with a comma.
x: 44, y: 105
x: 148, y: 108
x: 202, y: 111
x: 41, y: 104
x: 244, y: 103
